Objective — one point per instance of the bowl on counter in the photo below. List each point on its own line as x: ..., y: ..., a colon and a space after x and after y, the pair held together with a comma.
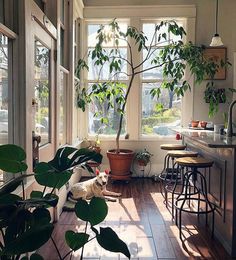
x: 203, y: 124
x: 194, y: 123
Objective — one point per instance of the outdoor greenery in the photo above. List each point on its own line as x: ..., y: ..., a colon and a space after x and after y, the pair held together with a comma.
x: 172, y: 57
x: 25, y: 223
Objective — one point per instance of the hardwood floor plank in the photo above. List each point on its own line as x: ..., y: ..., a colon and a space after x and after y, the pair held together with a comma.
x: 162, y: 242
x: 142, y: 221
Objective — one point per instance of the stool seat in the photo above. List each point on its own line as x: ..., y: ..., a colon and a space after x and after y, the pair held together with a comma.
x: 172, y: 146
x: 182, y: 153
x: 196, y: 162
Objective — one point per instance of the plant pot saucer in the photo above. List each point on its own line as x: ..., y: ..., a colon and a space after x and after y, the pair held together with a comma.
x: 126, y: 177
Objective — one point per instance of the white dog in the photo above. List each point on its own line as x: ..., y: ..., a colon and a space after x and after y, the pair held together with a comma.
x: 95, y: 187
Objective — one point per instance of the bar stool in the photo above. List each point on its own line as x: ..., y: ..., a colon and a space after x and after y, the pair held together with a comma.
x: 190, y: 190
x: 175, y: 175
x: 165, y: 173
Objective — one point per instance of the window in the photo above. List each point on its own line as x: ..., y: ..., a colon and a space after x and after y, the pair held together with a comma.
x: 62, y: 106
x: 4, y: 88
x: 98, y: 74
x: 64, y: 72
x: 42, y: 92
x: 157, y: 114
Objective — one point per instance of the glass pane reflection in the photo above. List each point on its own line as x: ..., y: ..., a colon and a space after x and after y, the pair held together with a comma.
x: 41, y: 98
x: 4, y: 82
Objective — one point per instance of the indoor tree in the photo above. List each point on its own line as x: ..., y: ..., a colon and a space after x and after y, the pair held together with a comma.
x: 173, y: 57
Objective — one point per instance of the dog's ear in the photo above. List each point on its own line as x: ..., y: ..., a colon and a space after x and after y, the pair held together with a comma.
x: 97, y: 172
x: 107, y: 171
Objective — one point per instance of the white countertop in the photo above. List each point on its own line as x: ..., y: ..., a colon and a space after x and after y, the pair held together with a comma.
x: 207, y: 137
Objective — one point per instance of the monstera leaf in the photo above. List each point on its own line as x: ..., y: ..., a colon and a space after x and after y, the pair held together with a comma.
x: 94, y: 212
x: 11, y: 158
x: 27, y: 231
x: 57, y: 172
x: 69, y: 157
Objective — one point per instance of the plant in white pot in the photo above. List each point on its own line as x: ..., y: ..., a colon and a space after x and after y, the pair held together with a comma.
x: 112, y: 93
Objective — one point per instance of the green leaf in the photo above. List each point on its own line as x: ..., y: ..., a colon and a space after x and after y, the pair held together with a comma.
x: 36, y: 194
x: 98, y: 209
x: 95, y: 212
x: 109, y: 240
x: 76, y: 240
x: 41, y: 216
x: 33, y: 257
x: 36, y: 257
x: 28, y: 241
x: 46, y: 175
x: 11, y: 158
x: 9, y: 199
x: 82, y: 210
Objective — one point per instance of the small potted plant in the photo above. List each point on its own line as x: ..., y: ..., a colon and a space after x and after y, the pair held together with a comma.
x: 143, y: 157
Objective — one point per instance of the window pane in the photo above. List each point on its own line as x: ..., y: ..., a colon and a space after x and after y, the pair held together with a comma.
x: 3, y: 89
x: 92, y: 33
x: 95, y: 124
x: 42, y: 92
x: 153, y: 73
x: 62, y: 114
x: 103, y: 72
x: 148, y: 29
x: 158, y: 115
x: 62, y: 48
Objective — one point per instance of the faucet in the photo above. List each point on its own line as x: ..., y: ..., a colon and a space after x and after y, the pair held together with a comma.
x: 229, y: 132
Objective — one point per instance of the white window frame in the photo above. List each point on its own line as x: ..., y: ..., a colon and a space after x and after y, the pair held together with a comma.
x: 147, y: 81
x: 152, y: 12
x: 86, y: 81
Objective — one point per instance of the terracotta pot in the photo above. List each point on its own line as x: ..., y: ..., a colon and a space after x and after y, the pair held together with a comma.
x: 194, y: 123
x: 142, y: 163
x: 120, y: 164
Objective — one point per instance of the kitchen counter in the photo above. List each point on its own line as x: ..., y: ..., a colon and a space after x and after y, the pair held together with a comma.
x: 221, y: 179
x: 207, y: 137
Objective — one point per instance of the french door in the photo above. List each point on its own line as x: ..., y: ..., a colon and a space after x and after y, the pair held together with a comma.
x: 44, y: 94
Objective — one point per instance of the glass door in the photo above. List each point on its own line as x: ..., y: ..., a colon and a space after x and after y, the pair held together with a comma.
x: 43, y: 100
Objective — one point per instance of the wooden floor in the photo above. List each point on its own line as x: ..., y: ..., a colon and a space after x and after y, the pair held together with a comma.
x: 141, y: 219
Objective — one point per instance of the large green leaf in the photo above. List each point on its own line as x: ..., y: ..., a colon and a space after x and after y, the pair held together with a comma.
x: 13, y: 184
x: 109, y: 240
x: 11, y: 158
x: 82, y: 210
x: 29, y: 241
x: 41, y: 216
x: 6, y: 213
x: 48, y: 200
x: 95, y: 212
x: 9, y: 199
x: 68, y: 157
x: 76, y: 240
x: 47, y: 175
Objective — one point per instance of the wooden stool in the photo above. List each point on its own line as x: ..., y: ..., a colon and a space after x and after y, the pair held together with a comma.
x: 190, y: 190
x: 166, y: 169
x: 175, y: 176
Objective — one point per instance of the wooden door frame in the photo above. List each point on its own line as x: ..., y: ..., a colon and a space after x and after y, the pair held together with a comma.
x: 32, y: 13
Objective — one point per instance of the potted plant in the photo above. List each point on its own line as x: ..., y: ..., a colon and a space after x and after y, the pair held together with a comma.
x: 173, y: 57
x: 143, y: 157
x: 26, y: 223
